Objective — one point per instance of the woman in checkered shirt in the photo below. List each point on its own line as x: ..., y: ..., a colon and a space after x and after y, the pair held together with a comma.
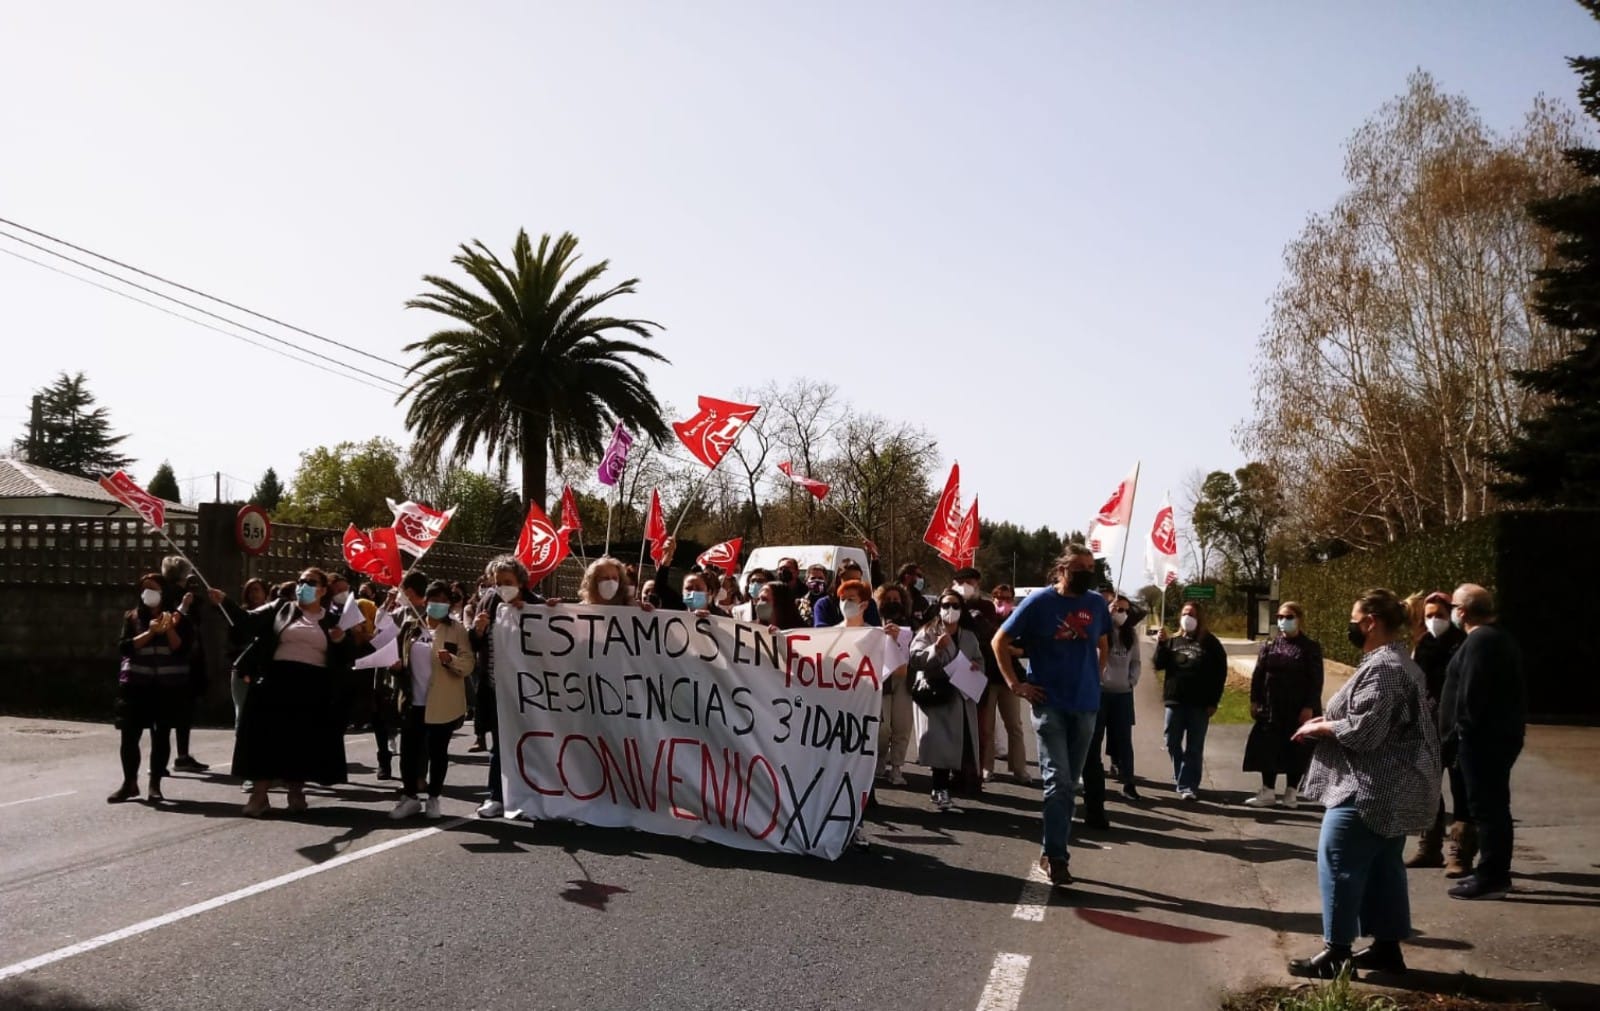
x: 1376, y: 771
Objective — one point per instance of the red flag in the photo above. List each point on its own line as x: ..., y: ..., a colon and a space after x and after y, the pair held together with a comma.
x: 1108, y: 526
x: 724, y: 556
x: 569, y: 511
x: 416, y: 526
x: 810, y: 484
x: 376, y: 554
x: 655, y: 526
x: 121, y: 487
x: 967, y: 537
x: 541, y: 547
x: 947, y: 516
x: 713, y: 431
x: 1161, y: 554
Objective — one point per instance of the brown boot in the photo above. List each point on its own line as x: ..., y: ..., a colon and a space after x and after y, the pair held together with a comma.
x: 1463, y: 849
x: 1430, y: 848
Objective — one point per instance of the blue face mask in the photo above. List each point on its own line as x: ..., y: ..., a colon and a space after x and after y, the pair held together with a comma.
x: 694, y: 600
x: 1288, y: 626
x: 306, y: 593
x: 438, y: 610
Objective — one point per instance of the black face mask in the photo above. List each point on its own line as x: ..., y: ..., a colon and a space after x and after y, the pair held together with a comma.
x: 1079, y: 582
x: 1358, y: 638
x: 891, y: 611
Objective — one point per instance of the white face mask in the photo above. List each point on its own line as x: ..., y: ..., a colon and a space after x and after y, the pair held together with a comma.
x: 852, y: 609
x: 608, y: 589
x: 967, y: 590
x: 150, y: 598
x: 949, y: 615
x: 508, y: 592
x: 1188, y: 623
x: 342, y: 597
x: 1119, y: 618
x: 1437, y: 627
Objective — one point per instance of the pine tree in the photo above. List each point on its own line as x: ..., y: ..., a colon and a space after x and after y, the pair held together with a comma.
x: 269, y: 492
x: 68, y: 433
x: 1556, y: 458
x: 165, y: 484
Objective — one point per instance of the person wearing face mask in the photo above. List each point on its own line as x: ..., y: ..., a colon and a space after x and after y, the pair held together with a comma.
x: 151, y: 685
x: 826, y: 611
x: 728, y: 596
x: 1483, y: 709
x: 697, y: 597
x: 509, y: 591
x: 754, y: 581
x: 1285, y: 692
x: 895, y: 716
x: 814, y: 590
x: 1067, y: 634
x: 1197, y: 671
x: 436, y: 657
x: 605, y: 581
x: 1114, y: 725
x: 1438, y: 642
x: 984, y: 622
x: 1376, y: 772
x: 291, y: 730
x: 914, y: 584
x: 949, y: 741
x: 775, y: 608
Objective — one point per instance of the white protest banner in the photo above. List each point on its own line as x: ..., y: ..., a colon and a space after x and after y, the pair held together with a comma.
x: 689, y: 726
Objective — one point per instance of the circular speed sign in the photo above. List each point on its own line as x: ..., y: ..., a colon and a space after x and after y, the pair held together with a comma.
x: 252, y: 530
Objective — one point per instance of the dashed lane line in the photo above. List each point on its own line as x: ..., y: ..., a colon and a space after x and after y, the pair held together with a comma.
x: 1003, y: 992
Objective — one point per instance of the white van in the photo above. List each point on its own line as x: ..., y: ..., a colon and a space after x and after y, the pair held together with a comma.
x: 830, y: 556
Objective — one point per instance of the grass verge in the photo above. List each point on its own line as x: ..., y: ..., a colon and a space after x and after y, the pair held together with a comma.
x: 1339, y: 995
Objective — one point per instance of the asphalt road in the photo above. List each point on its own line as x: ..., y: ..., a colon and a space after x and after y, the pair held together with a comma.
x: 188, y: 905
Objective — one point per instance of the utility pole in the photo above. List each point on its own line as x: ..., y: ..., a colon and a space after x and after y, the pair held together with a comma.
x: 35, y: 428
x: 218, y: 497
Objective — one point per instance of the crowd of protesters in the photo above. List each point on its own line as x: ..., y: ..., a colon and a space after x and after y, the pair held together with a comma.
x: 1438, y: 697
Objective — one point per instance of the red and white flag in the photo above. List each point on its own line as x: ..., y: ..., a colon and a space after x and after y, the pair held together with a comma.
x: 376, y: 554
x: 1107, y: 529
x: 655, y: 526
x: 121, y: 487
x: 724, y: 556
x: 540, y: 546
x: 713, y: 431
x: 416, y: 526
x: 810, y: 484
x: 569, y: 511
x: 1161, y: 554
x: 966, y: 537
x: 947, y: 516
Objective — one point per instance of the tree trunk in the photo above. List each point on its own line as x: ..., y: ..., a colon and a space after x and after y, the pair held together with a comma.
x: 535, y: 460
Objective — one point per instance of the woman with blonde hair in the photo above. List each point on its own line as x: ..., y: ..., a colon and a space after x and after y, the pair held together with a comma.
x: 606, y: 581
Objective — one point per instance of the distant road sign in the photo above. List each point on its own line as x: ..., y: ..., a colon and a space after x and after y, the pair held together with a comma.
x: 252, y: 530
x: 1200, y: 591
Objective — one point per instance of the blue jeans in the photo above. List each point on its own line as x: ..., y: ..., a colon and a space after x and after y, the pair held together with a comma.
x: 1117, y: 709
x: 1363, y: 880
x: 1063, y: 747
x: 1186, y: 743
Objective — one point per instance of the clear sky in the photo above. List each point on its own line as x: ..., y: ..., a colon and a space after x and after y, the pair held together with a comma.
x: 1046, y: 231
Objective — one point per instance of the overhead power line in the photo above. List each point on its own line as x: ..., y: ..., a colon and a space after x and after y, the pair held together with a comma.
x: 193, y: 291
x: 318, y: 362
x: 396, y: 386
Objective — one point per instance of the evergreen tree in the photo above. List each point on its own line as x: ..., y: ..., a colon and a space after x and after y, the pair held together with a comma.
x: 68, y: 433
x: 1556, y: 457
x: 269, y: 492
x: 165, y: 484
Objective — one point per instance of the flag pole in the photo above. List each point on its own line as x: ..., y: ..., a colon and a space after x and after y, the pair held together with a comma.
x: 1133, y: 495
x: 193, y: 567
x: 695, y: 494
x: 611, y: 508
x: 849, y: 522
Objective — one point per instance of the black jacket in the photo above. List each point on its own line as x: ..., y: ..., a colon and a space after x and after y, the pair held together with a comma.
x: 1433, y: 656
x: 1484, y: 696
x: 261, y: 628
x: 1197, y: 670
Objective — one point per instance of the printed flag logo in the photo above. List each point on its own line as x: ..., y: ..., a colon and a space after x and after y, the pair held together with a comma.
x: 713, y: 431
x: 416, y: 526
x: 122, y: 488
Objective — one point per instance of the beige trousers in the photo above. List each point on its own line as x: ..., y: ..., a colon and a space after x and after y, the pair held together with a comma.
x: 1010, y: 706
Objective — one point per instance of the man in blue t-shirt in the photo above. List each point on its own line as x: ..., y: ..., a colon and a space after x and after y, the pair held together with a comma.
x: 1066, y: 632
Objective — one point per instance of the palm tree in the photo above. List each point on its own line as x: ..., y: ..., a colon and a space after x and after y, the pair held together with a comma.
x: 531, y: 367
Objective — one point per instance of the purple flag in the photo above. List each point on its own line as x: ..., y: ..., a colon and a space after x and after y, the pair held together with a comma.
x: 616, y: 456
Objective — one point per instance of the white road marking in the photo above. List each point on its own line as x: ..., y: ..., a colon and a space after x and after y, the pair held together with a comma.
x: 30, y: 800
x: 1004, y: 990
x: 154, y: 923
x: 1035, y: 897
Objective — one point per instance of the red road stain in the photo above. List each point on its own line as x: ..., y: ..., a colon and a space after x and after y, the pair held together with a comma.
x: 591, y: 894
x: 1150, y: 930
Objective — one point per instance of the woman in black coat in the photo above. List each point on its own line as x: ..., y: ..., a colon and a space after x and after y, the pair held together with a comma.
x: 1285, y: 692
x: 292, y: 726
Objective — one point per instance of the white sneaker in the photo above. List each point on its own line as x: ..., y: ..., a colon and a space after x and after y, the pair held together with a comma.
x: 896, y: 777
x: 491, y: 809
x: 431, y: 812
x: 409, y: 807
x: 941, y: 799
x: 858, y: 839
x: 1291, y: 798
x: 987, y: 775
x: 1185, y: 793
x: 1263, y: 798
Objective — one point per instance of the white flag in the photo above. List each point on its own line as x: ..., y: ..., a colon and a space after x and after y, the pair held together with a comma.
x: 1161, y: 551
x: 1107, y: 529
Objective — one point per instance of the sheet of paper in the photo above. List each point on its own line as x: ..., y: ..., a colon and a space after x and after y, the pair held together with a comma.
x: 383, y: 656
x: 968, y: 677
